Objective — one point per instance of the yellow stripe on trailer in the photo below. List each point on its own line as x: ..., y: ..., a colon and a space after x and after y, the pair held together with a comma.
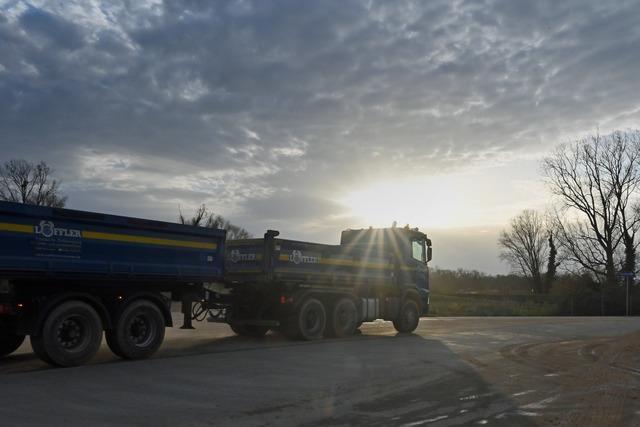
x: 16, y: 228
x: 353, y: 263
x: 96, y: 235
x: 129, y: 238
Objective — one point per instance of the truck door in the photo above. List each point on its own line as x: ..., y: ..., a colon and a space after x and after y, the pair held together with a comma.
x: 421, y: 273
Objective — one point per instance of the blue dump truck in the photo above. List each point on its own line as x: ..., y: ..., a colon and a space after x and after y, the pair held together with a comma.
x: 67, y: 277
x: 310, y: 290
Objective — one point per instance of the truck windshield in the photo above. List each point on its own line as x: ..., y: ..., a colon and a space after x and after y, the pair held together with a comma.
x: 417, y: 247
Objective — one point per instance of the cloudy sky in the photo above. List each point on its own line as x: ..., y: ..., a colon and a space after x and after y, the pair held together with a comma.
x: 314, y: 116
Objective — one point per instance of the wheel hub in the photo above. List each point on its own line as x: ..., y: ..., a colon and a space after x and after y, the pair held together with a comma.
x: 311, y: 320
x: 70, y: 333
x: 139, y: 330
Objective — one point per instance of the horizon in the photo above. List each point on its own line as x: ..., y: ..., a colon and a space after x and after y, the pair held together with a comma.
x: 314, y: 118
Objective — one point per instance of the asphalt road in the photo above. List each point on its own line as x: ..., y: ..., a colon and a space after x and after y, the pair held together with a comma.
x: 452, y: 371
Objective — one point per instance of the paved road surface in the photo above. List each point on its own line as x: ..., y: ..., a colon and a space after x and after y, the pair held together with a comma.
x: 453, y: 371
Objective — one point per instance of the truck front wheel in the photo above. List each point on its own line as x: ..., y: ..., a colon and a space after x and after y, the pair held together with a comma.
x: 70, y: 335
x: 408, y: 318
x: 9, y: 342
x: 139, y: 331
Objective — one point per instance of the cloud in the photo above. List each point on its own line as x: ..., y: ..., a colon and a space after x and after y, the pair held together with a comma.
x: 265, y: 104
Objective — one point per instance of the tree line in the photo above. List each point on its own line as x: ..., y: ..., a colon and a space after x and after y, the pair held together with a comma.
x: 593, y: 228
x: 32, y: 183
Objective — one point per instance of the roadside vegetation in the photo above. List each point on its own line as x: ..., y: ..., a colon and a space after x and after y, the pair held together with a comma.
x: 471, y: 293
x: 587, y: 243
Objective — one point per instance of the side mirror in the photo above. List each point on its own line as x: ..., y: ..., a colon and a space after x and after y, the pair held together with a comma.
x: 429, y: 253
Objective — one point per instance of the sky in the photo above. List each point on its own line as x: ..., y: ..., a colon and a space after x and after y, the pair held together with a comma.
x: 313, y: 117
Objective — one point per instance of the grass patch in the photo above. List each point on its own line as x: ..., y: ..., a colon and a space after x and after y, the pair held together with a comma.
x: 493, y: 305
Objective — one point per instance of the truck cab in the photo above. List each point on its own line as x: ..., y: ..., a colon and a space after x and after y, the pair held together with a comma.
x: 410, y: 249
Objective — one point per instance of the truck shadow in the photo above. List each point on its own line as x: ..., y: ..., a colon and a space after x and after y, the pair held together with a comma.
x: 378, y: 380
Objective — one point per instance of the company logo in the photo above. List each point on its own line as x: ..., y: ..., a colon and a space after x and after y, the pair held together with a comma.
x: 297, y: 257
x: 48, y: 229
x: 237, y: 256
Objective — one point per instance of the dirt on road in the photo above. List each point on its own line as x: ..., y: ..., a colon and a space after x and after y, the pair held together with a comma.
x: 590, y: 382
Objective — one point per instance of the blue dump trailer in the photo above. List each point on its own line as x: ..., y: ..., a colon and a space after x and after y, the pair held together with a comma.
x: 67, y: 277
x: 310, y: 290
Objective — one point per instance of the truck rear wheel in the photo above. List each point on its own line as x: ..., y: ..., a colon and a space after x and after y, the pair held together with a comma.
x: 139, y: 331
x: 343, y: 320
x: 309, y: 322
x: 9, y: 342
x: 254, y: 331
x: 408, y: 318
x: 71, y: 335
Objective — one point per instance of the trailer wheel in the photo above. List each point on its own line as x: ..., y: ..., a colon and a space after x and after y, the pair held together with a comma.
x: 139, y: 331
x: 254, y: 331
x: 37, y: 345
x: 310, y: 321
x: 112, y: 343
x: 343, y: 321
x: 9, y: 342
x: 70, y: 336
x: 408, y: 318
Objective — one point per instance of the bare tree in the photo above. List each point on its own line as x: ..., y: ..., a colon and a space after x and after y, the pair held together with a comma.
x: 597, y: 179
x: 203, y: 218
x: 524, y: 246
x: 625, y: 170
x: 25, y: 182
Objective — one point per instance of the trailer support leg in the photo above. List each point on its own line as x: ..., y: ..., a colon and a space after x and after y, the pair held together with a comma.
x: 186, y: 311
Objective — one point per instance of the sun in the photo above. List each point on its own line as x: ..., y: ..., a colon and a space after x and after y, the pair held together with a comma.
x: 407, y: 201
x: 454, y: 200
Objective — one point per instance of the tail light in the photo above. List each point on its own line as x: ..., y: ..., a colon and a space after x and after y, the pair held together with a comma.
x: 8, y: 308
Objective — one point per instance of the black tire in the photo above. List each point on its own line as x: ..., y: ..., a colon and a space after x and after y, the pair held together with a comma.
x: 408, y: 318
x: 37, y: 345
x: 71, y: 335
x: 112, y: 342
x: 139, y: 331
x: 9, y: 342
x: 343, y: 320
x: 310, y: 321
x: 253, y: 331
